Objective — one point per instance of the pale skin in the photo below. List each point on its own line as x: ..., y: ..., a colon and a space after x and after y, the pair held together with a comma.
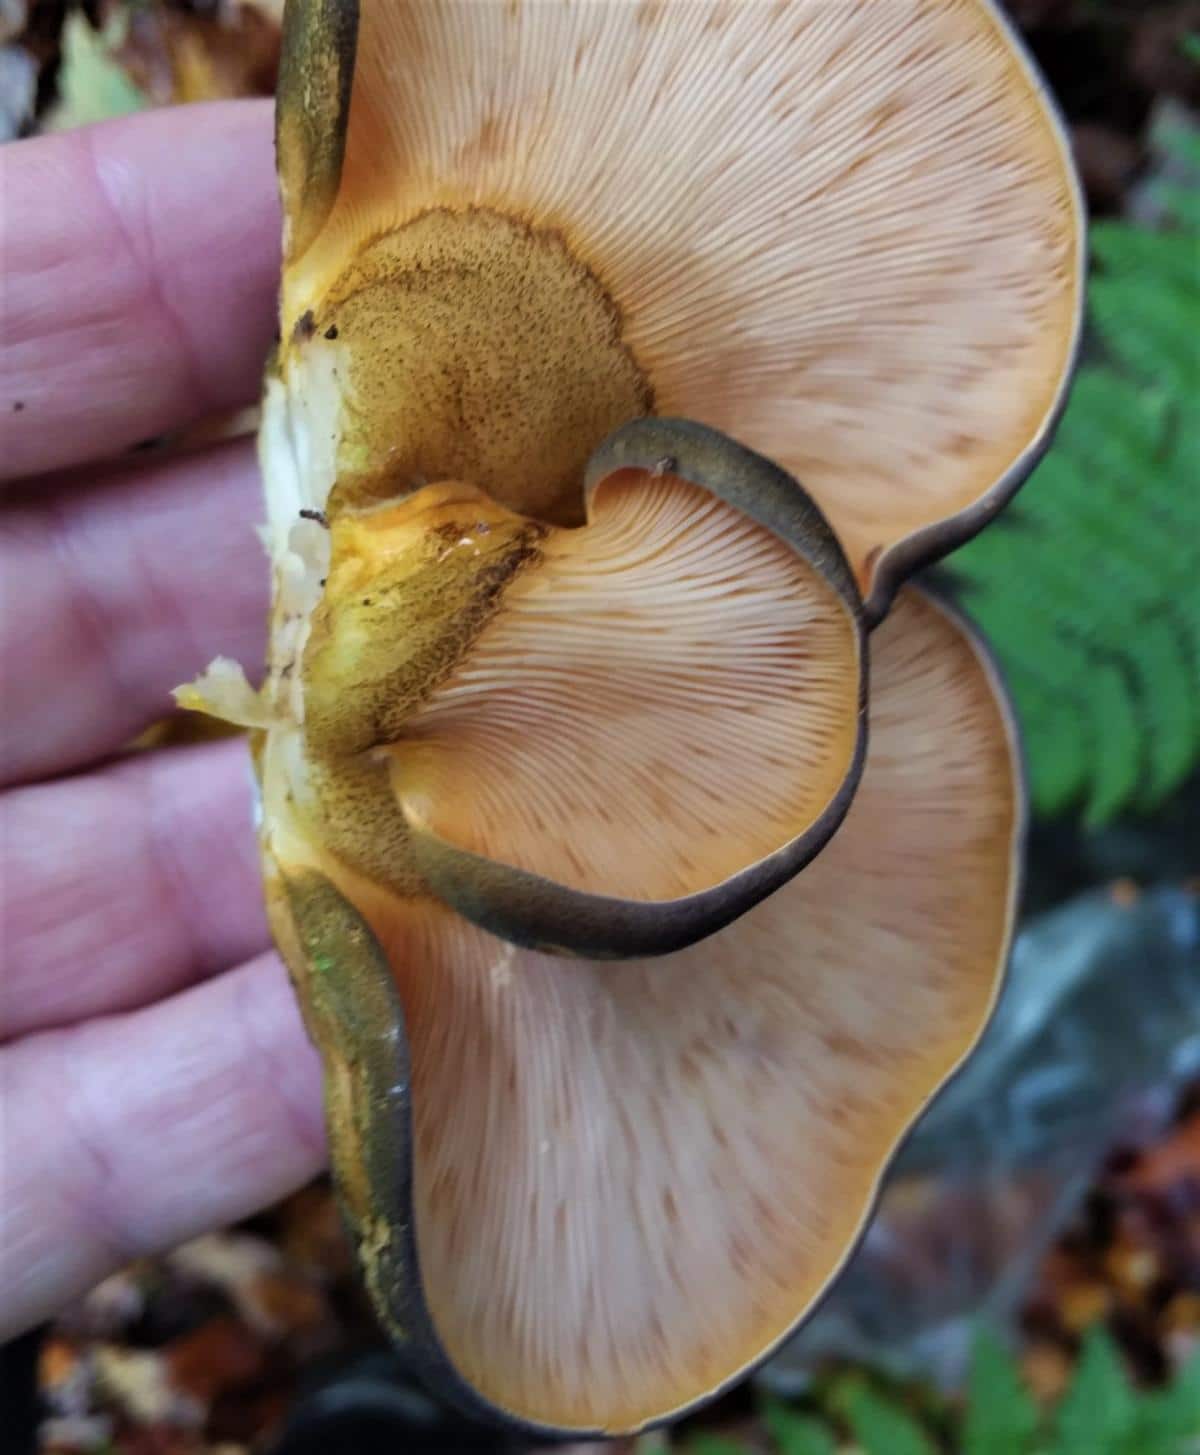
x: 155, y: 1078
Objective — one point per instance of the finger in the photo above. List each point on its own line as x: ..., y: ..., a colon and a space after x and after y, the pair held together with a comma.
x: 114, y: 594
x: 126, y: 885
x: 130, y: 1134
x: 139, y: 279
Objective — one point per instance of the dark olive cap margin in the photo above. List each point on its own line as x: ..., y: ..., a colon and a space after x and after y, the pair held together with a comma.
x: 312, y: 111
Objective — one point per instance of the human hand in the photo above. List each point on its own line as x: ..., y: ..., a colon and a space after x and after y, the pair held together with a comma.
x: 155, y: 1076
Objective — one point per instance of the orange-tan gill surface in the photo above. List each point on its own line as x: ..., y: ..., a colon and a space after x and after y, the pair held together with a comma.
x: 631, y: 1179
x: 662, y: 698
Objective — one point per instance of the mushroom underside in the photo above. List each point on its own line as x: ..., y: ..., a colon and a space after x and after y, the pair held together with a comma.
x: 630, y: 1180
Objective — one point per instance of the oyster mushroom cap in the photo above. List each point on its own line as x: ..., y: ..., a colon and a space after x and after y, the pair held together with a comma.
x: 848, y: 235
x: 661, y: 722
x: 593, y: 1194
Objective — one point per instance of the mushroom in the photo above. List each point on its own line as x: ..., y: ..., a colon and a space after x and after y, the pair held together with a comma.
x: 632, y: 354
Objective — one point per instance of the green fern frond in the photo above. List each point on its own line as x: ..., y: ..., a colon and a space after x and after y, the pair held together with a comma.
x: 1089, y: 588
x: 1001, y: 1417
x: 878, y: 1423
x: 797, y: 1434
x: 1098, y: 1414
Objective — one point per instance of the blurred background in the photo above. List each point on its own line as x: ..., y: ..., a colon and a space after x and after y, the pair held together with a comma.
x: 1031, y: 1283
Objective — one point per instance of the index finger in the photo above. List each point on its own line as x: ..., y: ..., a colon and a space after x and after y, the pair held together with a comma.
x: 138, y: 271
